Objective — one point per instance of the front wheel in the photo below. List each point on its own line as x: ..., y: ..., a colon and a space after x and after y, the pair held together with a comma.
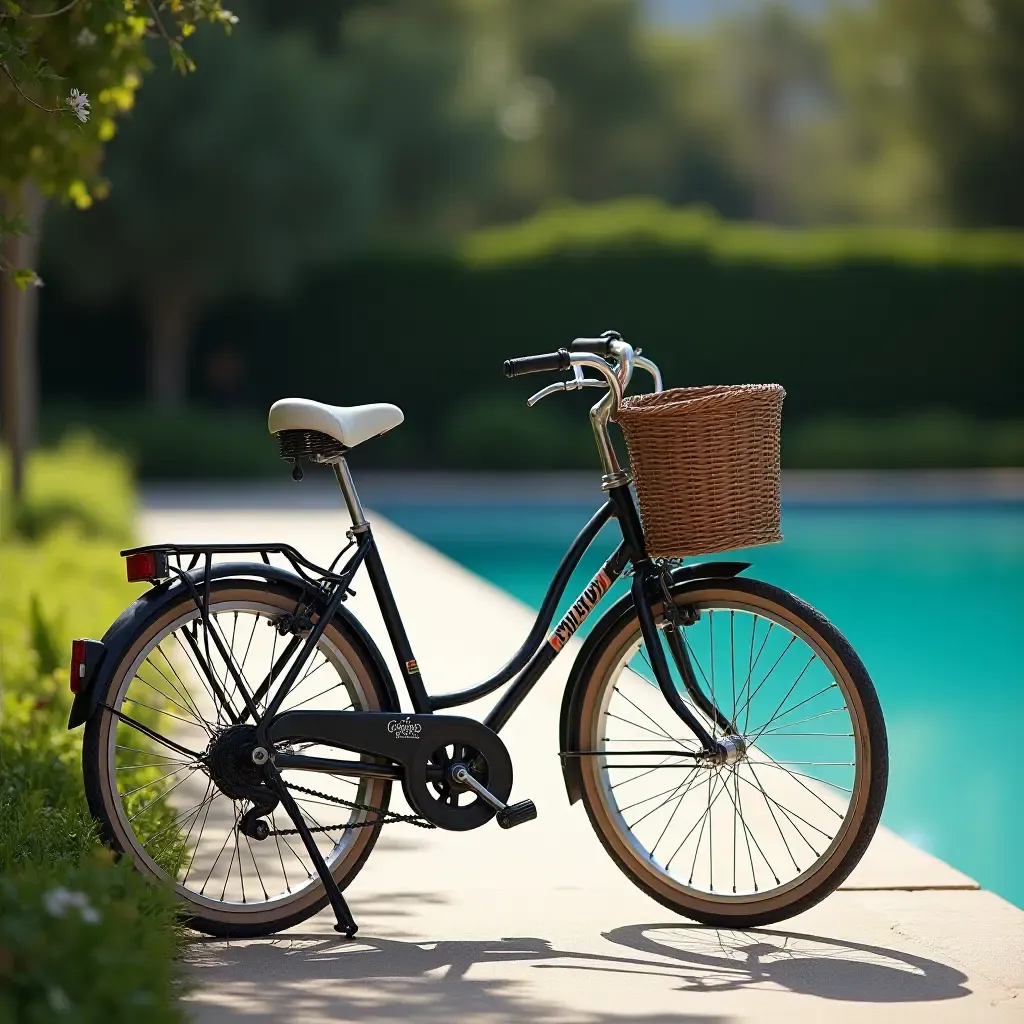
x: 776, y: 828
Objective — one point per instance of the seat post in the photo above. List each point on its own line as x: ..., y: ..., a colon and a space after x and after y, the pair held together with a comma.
x: 348, y: 488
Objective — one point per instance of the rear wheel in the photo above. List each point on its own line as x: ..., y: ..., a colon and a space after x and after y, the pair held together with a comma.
x: 148, y: 767
x: 779, y: 827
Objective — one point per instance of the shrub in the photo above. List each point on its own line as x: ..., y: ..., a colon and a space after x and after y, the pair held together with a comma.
x: 93, y: 943
x: 80, y: 938
x: 938, y: 440
x: 77, y: 484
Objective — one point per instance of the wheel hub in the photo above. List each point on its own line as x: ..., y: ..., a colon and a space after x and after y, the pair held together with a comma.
x: 731, y: 749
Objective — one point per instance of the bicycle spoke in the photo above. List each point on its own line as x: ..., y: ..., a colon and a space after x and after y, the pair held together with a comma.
x: 158, y: 711
x: 806, y: 699
x: 787, y: 811
x: 804, y: 721
x: 154, y: 782
x: 162, y: 796
x: 773, y: 762
x: 150, y: 753
x: 619, y: 718
x: 679, y: 803
x: 706, y: 813
x: 191, y: 708
x: 208, y: 799
x: 775, y: 713
x: 280, y: 856
x: 647, y: 716
x: 775, y: 665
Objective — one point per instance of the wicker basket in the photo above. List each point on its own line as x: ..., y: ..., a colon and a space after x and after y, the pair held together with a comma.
x: 706, y: 466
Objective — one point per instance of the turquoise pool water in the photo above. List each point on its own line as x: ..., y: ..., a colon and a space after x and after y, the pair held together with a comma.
x: 931, y: 596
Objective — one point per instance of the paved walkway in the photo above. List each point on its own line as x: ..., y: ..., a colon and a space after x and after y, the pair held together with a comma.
x: 537, y: 923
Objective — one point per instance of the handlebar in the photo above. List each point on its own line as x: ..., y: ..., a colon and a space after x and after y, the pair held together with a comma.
x: 614, y: 360
x: 537, y: 364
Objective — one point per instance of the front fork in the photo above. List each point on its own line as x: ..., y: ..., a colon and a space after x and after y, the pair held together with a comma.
x: 650, y: 589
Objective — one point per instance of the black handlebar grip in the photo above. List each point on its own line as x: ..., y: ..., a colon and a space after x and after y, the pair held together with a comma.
x: 548, y: 362
x: 599, y: 346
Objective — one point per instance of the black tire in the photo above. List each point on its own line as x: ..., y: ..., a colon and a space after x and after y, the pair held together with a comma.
x: 104, y: 752
x: 867, y: 742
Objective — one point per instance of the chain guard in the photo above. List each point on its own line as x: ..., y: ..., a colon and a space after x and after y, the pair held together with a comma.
x: 424, y: 745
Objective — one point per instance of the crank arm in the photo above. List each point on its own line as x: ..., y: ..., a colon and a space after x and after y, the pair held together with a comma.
x: 509, y: 815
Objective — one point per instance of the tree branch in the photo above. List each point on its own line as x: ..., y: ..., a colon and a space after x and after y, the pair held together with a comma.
x: 159, y: 23
x: 52, y: 14
x: 21, y: 92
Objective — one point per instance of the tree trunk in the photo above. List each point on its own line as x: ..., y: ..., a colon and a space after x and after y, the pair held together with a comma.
x: 170, y: 321
x: 19, y: 391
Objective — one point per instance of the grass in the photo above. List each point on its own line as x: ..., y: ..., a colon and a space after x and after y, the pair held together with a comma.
x: 81, y: 938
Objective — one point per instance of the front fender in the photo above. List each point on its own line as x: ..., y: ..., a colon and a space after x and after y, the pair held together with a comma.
x: 138, y: 615
x: 611, y: 621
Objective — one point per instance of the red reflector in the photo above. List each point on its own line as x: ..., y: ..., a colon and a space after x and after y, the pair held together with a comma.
x: 141, y: 566
x: 77, y: 664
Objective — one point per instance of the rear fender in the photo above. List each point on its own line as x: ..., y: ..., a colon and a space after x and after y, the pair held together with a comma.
x: 151, y: 605
x: 613, y: 620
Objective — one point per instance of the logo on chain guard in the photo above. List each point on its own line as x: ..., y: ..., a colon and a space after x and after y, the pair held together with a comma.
x: 405, y: 728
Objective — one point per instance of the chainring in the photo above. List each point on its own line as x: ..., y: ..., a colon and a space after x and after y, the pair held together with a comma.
x: 434, y: 795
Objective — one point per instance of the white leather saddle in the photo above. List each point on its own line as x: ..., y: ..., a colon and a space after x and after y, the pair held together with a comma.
x: 348, y: 425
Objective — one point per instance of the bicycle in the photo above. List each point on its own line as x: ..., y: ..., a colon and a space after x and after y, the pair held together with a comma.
x: 724, y: 802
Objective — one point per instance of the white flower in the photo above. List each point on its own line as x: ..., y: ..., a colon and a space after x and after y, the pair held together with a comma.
x: 85, y: 38
x: 78, y: 102
x: 58, y: 901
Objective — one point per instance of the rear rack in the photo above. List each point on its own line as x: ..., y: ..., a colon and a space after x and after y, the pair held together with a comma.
x: 332, y: 588
x: 302, y: 565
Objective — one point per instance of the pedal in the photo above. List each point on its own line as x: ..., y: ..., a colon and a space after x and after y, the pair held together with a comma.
x: 509, y: 815
x: 516, y: 814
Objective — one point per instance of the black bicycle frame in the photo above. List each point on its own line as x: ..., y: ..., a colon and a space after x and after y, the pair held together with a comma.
x: 522, y: 671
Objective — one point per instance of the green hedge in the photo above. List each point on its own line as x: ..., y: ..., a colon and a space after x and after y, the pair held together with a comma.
x: 853, y: 322
x: 496, y: 432
x: 81, y: 938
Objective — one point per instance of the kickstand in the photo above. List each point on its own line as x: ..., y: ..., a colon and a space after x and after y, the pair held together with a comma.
x: 345, y: 922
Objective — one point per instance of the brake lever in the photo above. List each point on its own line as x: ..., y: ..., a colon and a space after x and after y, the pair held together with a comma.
x: 576, y: 384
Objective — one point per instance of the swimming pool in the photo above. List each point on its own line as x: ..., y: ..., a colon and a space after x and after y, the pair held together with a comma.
x: 931, y: 596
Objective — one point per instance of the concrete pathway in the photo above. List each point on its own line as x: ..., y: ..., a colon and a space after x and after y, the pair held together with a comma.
x: 537, y: 923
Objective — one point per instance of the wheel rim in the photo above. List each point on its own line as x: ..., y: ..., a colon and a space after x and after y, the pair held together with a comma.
x: 763, y: 827
x: 171, y: 816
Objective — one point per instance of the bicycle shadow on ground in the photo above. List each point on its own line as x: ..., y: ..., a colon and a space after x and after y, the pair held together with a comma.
x: 308, y: 973
x: 716, y: 959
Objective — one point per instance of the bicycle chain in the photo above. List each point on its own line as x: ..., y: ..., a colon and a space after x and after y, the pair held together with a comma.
x: 387, y: 817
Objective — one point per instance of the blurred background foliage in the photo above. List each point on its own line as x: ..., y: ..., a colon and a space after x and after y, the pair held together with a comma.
x: 381, y: 201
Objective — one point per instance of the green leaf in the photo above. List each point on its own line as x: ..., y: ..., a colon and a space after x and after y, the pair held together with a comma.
x: 24, y: 277
x: 12, y: 7
x: 12, y: 225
